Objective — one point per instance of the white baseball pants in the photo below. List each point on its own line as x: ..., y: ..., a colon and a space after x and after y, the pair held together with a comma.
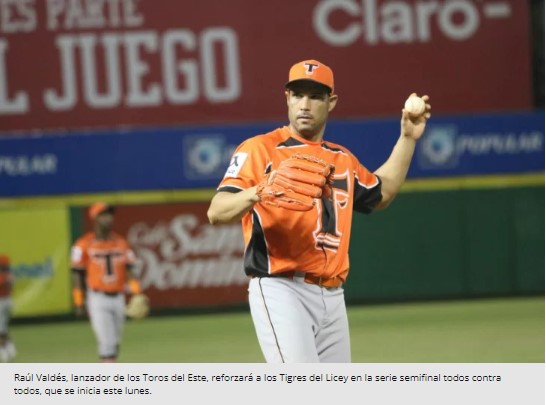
x: 107, y: 314
x: 297, y: 322
x: 5, y: 314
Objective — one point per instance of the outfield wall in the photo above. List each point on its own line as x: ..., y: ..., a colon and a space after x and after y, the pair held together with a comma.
x: 183, y: 157
x: 457, y: 242
x: 468, y: 223
x: 450, y: 244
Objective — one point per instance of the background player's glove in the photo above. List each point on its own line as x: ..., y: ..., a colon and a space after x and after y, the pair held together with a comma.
x: 138, y: 307
x: 297, y: 182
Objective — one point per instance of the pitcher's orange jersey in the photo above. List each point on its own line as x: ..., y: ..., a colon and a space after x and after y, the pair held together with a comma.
x: 317, y: 241
x: 104, y: 261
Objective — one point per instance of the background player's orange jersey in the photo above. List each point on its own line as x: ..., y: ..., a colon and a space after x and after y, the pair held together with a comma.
x: 6, y: 277
x: 104, y: 261
x: 317, y: 241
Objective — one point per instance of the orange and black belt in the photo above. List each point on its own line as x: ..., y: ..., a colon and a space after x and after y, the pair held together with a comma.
x: 309, y: 278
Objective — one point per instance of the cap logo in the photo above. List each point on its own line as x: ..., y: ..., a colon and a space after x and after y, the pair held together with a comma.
x: 310, y: 67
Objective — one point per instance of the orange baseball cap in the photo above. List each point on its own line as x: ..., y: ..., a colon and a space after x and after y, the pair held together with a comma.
x: 311, y: 70
x: 98, y: 208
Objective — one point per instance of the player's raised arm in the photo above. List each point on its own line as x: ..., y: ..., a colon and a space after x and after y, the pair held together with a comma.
x: 393, y: 172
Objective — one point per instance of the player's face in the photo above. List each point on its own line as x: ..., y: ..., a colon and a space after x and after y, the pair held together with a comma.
x: 308, y: 108
x: 105, y: 221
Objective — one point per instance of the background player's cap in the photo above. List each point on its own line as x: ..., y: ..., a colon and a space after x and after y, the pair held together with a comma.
x: 311, y: 70
x: 98, y: 208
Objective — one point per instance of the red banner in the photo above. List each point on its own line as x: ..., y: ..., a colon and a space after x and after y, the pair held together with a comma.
x: 183, y: 261
x: 96, y: 63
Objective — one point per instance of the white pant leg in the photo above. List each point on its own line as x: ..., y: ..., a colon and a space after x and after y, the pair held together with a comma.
x: 285, y: 319
x: 7, y: 349
x: 333, y: 340
x: 5, y: 314
x: 107, y: 318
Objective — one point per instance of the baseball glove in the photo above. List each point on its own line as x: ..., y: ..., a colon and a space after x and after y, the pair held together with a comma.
x: 297, y: 182
x: 138, y: 307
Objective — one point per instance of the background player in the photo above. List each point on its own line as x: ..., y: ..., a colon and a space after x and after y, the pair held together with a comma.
x: 102, y: 269
x: 7, y: 348
x: 298, y: 260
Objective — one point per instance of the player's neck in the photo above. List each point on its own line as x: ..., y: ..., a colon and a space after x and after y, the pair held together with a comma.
x: 101, y: 233
x: 308, y: 136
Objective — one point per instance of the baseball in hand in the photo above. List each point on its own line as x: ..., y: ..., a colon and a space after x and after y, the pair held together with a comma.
x: 415, y: 106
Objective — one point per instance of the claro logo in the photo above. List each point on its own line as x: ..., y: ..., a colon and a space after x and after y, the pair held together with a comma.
x: 396, y: 22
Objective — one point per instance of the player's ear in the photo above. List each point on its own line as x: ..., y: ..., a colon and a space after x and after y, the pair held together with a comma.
x: 287, y: 94
x: 333, y: 102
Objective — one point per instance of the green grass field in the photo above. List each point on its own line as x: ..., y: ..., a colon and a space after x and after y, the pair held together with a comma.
x: 477, y: 331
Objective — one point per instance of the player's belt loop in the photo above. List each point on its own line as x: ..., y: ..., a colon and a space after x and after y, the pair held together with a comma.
x: 299, y: 274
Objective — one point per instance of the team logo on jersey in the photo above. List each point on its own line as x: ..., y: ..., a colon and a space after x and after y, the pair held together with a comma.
x: 237, y: 162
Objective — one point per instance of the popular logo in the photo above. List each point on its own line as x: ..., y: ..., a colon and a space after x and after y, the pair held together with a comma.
x: 438, y: 147
x: 448, y: 146
x: 206, y: 156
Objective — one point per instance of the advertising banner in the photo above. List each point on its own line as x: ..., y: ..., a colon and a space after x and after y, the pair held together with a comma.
x: 37, y: 242
x: 183, y: 261
x: 455, y: 146
x: 189, y: 158
x: 75, y: 64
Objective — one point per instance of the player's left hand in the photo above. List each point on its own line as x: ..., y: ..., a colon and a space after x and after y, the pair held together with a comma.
x: 297, y: 182
x: 414, y: 126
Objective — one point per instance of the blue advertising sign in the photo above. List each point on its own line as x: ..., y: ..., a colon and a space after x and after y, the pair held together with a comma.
x: 197, y: 157
x: 453, y: 146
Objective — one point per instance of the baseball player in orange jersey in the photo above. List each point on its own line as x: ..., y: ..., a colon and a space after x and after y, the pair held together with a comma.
x: 101, y: 266
x: 7, y: 348
x: 297, y: 253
